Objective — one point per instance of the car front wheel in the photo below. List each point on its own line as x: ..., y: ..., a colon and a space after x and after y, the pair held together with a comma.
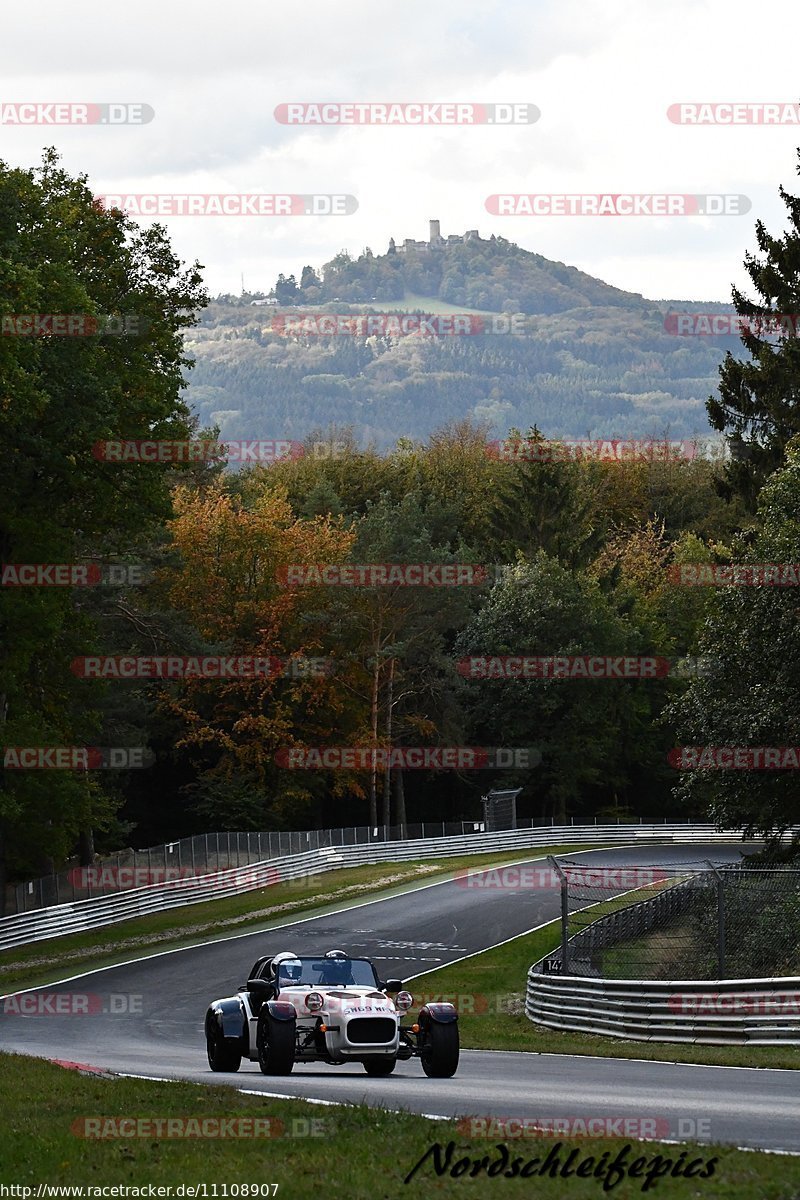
x: 275, y: 1045
x: 440, y: 1049
x: 222, y: 1056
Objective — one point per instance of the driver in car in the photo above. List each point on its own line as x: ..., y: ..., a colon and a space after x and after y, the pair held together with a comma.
x: 286, y: 970
x: 337, y: 970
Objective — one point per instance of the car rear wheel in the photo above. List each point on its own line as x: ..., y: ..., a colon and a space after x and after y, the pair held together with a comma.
x: 222, y: 1056
x: 440, y: 1050
x: 379, y: 1066
x: 275, y: 1045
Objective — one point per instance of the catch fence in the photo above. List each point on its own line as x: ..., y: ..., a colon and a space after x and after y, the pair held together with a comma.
x: 684, y: 921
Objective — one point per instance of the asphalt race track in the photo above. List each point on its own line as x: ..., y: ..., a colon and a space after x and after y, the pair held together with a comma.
x: 146, y: 1018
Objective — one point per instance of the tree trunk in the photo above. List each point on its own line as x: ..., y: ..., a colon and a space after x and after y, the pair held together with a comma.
x: 3, y: 859
x: 387, y: 777
x: 399, y: 799
x: 373, y: 774
x: 86, y: 847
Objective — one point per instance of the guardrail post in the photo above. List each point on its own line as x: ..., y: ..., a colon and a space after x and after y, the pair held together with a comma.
x: 721, y: 966
x: 564, y: 913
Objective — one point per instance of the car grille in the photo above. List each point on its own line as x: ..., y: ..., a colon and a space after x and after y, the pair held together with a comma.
x: 371, y: 1029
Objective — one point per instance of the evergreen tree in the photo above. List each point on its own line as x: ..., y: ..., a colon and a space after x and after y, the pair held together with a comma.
x: 759, y: 399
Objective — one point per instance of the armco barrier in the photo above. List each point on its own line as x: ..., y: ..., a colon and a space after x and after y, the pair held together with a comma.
x: 725, y: 1012
x: 206, y: 852
x: 84, y: 915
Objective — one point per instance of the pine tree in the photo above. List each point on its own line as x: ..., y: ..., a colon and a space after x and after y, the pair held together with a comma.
x: 759, y: 399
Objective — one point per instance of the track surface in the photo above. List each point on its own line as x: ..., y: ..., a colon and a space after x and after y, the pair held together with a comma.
x: 159, y: 1033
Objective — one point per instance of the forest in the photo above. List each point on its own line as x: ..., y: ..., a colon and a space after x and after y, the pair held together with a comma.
x: 554, y: 557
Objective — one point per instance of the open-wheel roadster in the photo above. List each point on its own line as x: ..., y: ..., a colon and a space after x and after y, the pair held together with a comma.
x: 327, y: 1008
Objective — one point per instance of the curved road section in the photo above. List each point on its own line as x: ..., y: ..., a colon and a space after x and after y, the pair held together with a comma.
x: 146, y: 1018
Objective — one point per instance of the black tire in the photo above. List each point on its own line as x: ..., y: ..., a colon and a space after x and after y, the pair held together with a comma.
x: 275, y: 1045
x: 379, y: 1066
x: 222, y: 1055
x: 440, y: 1050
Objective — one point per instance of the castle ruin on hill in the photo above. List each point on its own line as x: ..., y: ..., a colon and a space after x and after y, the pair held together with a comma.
x: 435, y: 239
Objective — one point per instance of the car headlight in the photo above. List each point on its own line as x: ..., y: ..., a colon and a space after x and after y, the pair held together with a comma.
x: 404, y: 1001
x: 314, y: 1002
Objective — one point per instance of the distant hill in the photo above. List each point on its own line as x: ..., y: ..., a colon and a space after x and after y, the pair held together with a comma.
x: 591, y: 360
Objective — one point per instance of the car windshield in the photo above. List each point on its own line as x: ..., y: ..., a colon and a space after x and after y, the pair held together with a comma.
x: 327, y: 972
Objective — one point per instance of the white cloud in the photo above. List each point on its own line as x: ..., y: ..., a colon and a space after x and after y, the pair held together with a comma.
x: 603, y: 73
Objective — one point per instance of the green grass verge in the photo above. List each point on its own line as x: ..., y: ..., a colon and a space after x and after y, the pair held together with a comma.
x: 354, y: 1152
x: 46, y: 961
x: 427, y: 304
x: 663, y: 953
x: 489, y: 990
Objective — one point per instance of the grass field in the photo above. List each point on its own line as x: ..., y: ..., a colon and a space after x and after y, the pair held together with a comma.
x: 411, y: 302
x: 307, y: 1150
x: 427, y: 304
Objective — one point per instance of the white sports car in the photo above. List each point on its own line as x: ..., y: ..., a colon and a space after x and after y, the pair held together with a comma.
x: 329, y: 1008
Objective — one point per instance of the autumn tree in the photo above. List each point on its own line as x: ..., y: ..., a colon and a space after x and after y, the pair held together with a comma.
x: 230, y: 589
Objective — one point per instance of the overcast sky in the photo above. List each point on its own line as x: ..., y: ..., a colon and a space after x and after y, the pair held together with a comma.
x: 602, y: 72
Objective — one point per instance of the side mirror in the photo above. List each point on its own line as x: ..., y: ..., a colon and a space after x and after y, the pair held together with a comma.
x: 393, y: 985
x: 261, y: 989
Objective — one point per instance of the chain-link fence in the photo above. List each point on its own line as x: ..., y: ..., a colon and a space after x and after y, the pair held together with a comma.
x: 199, y: 856
x: 215, y: 852
x: 687, y: 921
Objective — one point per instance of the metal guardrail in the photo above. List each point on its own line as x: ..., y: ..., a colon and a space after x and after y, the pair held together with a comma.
x: 204, y: 853
x: 723, y: 1012
x: 84, y: 915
